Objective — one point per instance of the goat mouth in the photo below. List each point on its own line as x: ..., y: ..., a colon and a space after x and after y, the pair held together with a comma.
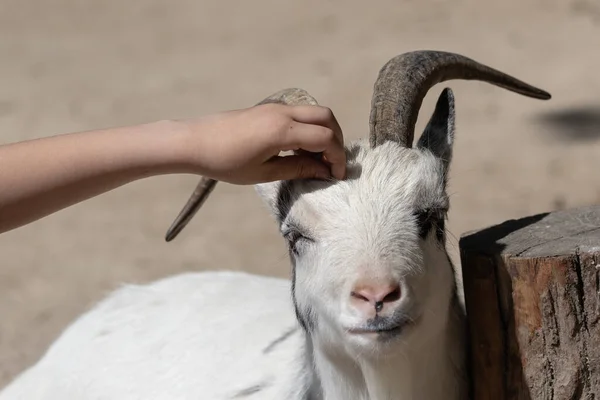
x: 382, y: 328
x: 379, y: 330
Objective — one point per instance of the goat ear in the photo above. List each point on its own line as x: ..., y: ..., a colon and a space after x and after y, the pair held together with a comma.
x: 278, y: 196
x: 269, y: 193
x: 438, y: 136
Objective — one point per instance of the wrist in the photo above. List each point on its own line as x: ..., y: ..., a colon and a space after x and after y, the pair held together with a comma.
x: 168, y: 148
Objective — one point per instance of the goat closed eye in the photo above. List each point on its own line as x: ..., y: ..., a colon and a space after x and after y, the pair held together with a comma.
x: 296, y: 241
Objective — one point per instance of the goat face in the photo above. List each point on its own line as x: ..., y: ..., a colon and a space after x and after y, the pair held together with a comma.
x: 370, y: 269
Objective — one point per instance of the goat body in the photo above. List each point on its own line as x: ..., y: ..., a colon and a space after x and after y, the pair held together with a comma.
x: 209, y: 335
x: 228, y: 335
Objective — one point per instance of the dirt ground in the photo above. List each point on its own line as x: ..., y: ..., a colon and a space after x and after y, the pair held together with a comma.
x: 77, y: 65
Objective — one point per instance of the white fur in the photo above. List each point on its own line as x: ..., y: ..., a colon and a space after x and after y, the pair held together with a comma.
x: 193, y: 336
x: 204, y: 335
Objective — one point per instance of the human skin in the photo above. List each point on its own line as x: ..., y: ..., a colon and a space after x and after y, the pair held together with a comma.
x: 42, y: 176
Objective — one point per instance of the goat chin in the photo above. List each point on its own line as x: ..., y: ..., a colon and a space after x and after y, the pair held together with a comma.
x: 210, y: 335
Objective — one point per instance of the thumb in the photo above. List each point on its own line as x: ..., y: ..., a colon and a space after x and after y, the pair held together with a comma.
x: 296, y: 167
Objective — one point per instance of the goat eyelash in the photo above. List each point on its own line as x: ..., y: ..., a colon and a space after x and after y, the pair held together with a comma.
x: 293, y: 236
x: 427, y: 218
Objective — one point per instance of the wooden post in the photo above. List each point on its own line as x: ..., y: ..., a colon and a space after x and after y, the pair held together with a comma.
x: 532, y: 295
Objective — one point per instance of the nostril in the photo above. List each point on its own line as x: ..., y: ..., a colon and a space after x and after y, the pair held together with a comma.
x: 392, y: 296
x: 359, y: 296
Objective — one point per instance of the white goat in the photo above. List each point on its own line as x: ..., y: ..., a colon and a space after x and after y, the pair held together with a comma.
x: 373, y: 311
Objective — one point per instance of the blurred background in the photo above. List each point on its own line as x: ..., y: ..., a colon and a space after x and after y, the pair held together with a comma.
x: 77, y: 65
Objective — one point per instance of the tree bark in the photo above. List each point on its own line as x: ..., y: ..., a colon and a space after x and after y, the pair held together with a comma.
x: 532, y: 296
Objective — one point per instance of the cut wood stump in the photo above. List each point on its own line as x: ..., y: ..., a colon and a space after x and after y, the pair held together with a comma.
x: 532, y: 296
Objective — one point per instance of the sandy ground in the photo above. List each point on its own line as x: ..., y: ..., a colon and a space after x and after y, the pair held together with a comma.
x: 77, y: 65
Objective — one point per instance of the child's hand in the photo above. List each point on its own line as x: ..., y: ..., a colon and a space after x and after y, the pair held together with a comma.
x: 243, y: 146
x: 239, y: 147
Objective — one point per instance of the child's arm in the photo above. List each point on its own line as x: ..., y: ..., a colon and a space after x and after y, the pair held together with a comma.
x: 42, y: 176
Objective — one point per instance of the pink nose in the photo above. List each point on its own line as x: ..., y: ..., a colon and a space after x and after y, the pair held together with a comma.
x: 373, y: 297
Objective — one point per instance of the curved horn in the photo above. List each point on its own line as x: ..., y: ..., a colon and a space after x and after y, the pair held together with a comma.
x: 204, y: 188
x: 404, y: 81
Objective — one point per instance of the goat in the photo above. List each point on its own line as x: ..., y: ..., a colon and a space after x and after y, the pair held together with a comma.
x: 373, y: 311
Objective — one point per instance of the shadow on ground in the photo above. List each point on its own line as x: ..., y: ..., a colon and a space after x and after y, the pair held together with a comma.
x: 576, y: 124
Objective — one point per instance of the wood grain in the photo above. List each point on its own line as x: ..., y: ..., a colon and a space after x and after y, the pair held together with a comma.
x: 533, y: 304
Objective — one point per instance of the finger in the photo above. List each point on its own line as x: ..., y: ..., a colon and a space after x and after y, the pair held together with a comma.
x: 322, y: 116
x: 319, y: 139
x: 294, y: 167
x: 317, y: 115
